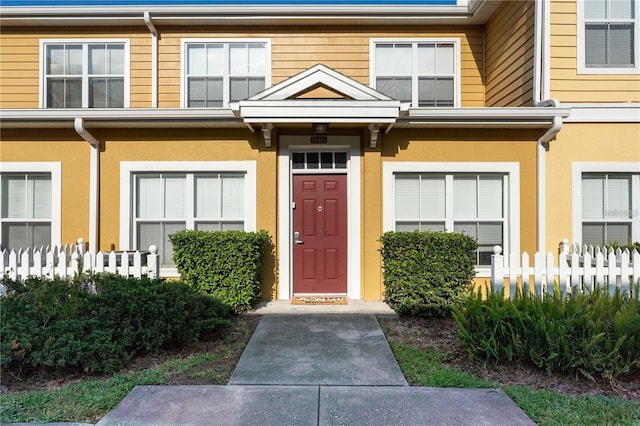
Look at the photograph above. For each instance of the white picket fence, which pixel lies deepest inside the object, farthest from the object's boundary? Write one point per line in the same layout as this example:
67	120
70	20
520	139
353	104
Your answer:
579	268
66	261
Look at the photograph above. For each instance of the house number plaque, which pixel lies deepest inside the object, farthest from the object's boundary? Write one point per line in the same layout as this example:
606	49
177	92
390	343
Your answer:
316	139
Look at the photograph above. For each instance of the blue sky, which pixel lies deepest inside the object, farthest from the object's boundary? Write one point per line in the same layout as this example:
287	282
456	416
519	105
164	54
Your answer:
218	2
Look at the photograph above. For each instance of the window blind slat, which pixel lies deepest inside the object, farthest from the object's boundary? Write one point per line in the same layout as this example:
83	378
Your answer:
41	198
618	197
432	197
174	196
595	44
232	196
592	197
207	197
464	197
490	197
14	194
149	196
407	188
444	60
621	44
196	59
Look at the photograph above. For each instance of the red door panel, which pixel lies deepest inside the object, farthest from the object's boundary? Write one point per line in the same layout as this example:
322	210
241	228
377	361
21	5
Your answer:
320	222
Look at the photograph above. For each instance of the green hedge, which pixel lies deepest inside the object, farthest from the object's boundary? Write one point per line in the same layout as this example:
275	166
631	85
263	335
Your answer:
226	265
427	273
58	325
594	334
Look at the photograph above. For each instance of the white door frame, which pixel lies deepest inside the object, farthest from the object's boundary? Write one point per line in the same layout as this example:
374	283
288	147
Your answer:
300	143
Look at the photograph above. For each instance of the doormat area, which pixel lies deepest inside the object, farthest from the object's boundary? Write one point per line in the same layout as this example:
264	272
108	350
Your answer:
319	300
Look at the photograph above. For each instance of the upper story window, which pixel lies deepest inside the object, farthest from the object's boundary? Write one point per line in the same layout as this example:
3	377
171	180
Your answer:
216	73
607	36
83	74
424	73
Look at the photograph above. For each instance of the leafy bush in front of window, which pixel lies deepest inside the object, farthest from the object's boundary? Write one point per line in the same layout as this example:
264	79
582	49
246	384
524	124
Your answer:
58	325
224	264
596	334
427	273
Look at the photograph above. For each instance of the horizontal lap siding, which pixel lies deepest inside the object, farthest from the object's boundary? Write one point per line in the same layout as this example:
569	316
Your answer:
569	86
294	50
509	40
20	62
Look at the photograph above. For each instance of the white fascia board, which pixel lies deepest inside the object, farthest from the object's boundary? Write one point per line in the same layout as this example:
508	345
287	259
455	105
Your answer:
194	117
312	110
603	113
494	113
519	118
476	12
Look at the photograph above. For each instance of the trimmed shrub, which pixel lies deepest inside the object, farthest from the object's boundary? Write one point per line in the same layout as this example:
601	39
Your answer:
427	273
57	325
593	334
224	264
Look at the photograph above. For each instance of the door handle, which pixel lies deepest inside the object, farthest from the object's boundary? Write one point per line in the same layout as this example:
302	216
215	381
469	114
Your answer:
296	238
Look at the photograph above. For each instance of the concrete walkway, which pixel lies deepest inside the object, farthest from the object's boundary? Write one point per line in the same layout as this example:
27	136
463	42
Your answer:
316	370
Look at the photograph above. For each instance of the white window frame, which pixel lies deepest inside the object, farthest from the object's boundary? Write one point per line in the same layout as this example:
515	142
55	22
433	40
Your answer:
581	42
85	60
226	87
511	194
128	170
578	168
55	170
414	72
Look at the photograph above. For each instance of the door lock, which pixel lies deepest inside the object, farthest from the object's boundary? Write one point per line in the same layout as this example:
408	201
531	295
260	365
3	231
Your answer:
296	238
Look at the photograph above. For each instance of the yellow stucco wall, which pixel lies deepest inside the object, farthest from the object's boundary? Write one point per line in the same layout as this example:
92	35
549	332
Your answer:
73	154
439	145
141	145
581	142
371	199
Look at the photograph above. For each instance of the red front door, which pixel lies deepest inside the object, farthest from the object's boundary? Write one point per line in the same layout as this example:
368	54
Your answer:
320	234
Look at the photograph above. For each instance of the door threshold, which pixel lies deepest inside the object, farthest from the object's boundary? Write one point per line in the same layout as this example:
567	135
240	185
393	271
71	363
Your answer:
319	299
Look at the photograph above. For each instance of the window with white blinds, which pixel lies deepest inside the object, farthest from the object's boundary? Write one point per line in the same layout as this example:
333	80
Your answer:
473	204
608	34
25	204
217	73
607	207
420	72
169	202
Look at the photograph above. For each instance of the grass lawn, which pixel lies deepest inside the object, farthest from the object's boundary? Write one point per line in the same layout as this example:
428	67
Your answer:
545	407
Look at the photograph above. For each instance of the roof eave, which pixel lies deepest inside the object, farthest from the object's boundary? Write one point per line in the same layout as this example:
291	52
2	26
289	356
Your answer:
473	13
288	111
134	118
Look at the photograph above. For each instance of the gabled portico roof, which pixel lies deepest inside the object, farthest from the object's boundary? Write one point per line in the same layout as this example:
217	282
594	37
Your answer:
293	101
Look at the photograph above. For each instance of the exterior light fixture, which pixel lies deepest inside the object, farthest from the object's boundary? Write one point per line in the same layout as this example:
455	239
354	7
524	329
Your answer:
320	128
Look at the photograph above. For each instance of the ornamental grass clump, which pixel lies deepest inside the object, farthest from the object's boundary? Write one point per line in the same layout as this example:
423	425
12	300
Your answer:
595	334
